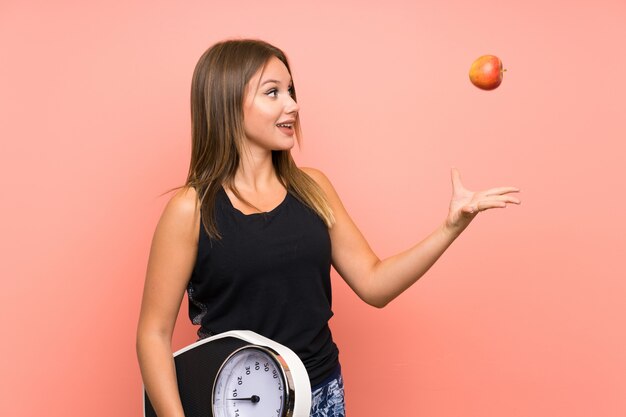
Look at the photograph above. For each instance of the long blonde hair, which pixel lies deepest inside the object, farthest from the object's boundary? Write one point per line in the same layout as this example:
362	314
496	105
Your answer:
217	92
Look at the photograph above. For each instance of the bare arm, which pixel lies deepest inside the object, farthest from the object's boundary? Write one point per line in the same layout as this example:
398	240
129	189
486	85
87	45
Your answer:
171	261
376	281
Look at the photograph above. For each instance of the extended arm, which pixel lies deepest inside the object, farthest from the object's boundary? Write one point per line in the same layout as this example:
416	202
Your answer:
376	281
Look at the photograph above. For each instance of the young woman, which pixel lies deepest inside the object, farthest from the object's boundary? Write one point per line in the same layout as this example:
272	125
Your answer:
251	237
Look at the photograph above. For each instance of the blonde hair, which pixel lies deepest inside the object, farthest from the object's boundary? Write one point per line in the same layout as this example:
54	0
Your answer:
218	89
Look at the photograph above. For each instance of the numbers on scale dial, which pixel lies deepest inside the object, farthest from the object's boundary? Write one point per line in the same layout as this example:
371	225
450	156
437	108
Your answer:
251	384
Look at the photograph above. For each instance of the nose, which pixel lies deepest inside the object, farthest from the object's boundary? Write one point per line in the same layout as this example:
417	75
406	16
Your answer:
291	106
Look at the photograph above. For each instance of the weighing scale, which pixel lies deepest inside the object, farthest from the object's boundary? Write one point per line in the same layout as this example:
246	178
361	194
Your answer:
240	374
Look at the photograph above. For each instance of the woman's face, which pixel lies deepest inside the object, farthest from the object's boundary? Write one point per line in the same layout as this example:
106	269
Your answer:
265	109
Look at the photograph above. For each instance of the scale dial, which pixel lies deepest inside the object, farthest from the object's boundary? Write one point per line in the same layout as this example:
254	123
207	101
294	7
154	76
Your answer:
253	381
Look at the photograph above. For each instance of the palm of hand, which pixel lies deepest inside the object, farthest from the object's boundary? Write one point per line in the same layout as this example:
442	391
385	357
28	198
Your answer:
466	204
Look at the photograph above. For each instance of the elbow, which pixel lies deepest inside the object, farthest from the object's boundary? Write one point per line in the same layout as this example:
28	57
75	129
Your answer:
150	336
373	295
376	301
378	305
140	343
376	295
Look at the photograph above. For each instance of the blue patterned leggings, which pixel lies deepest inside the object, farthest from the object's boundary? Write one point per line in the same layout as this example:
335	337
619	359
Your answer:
327	398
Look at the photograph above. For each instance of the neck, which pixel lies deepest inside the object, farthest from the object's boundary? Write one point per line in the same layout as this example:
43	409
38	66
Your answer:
256	171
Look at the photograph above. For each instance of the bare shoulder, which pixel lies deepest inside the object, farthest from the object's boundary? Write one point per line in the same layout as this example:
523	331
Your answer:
322	180
319	177
181	215
184	202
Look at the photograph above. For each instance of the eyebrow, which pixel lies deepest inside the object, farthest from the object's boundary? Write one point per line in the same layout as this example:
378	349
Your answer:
275	81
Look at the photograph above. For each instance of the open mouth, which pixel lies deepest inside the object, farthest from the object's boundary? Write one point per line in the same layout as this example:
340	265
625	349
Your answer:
286	128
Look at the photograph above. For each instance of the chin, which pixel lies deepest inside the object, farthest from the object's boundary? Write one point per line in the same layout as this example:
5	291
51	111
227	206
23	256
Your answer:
285	146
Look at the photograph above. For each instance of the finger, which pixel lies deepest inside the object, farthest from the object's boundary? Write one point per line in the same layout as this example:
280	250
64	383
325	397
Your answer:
506	198
501	190
485	205
456	179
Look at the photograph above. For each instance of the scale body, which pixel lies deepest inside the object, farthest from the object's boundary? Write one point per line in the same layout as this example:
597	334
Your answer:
210	372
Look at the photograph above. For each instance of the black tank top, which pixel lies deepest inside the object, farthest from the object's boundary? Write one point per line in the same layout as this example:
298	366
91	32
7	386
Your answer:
269	273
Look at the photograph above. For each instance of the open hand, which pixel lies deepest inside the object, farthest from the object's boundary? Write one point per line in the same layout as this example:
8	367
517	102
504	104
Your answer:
466	204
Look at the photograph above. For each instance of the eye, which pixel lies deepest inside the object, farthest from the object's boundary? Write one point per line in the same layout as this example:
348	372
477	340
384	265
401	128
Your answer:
274	92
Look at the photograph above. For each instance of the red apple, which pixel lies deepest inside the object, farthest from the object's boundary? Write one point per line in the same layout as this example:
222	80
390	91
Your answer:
486	72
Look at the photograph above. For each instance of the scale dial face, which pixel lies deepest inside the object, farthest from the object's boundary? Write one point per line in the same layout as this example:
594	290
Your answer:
252	382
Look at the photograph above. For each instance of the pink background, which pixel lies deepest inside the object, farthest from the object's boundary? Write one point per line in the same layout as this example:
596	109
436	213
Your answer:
523	316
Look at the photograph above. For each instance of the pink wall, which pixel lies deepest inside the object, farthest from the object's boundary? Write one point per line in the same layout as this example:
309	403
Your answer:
524	316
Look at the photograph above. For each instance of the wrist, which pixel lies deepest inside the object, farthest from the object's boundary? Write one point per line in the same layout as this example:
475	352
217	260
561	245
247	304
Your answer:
451	231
